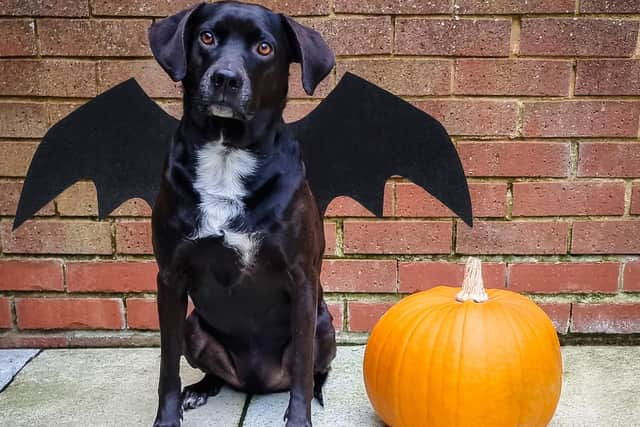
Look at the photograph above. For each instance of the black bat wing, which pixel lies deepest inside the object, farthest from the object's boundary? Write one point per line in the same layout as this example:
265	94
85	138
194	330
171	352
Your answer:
118	140
361	135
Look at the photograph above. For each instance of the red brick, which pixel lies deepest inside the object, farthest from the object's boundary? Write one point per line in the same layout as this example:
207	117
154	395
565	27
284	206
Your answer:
330	238
559	315
158	8
83	37
162	8
5	313
66	313
57	237
133	237
78	200
336	309
568	198
606	237
59	110
412	77
422	275
297	7
150	76
453	37
74	8
18	37
564	277
295	111
15	157
513	238
359	275
31	275
133	207
635	199
512	77
488	200
395	7
142	313
120	276
609	6
608	77
355	36
518	159
9	196
513	6
81	200
363	316
606	318
49	77
631	280
577	37
346	206
23	119
295	84
473	117
387	237
609	159
581	118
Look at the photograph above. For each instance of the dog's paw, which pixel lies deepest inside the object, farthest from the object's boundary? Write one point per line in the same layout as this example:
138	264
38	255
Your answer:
197	394
192	399
294	421
167	423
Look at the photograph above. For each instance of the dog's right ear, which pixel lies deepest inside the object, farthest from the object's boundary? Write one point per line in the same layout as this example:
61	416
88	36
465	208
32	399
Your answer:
167	39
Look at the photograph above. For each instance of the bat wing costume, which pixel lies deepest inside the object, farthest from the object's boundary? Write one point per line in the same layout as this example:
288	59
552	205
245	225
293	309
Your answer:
357	138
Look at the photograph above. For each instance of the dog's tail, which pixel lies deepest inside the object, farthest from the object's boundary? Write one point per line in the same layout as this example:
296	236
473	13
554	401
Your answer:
318	381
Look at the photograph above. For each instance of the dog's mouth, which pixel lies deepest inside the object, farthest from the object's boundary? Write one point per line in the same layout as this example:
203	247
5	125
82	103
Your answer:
226	111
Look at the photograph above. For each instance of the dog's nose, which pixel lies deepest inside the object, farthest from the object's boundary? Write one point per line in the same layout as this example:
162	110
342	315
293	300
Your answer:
227	79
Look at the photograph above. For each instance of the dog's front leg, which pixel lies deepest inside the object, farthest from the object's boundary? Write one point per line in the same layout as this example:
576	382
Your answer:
172	308
303	326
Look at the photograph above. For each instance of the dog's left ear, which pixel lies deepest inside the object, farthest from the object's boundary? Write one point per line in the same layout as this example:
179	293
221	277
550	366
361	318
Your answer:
311	51
167	40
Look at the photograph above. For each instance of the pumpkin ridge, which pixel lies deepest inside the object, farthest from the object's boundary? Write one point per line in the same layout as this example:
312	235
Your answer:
517	341
428	382
525	317
460	353
398	315
416	322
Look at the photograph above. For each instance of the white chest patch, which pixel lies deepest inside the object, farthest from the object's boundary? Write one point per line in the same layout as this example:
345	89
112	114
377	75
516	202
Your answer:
220	172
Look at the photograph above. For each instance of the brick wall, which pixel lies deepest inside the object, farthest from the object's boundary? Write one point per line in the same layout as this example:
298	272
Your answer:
542	99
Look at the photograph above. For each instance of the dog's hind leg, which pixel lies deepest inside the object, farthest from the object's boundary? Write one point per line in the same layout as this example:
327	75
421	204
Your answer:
325	350
204	352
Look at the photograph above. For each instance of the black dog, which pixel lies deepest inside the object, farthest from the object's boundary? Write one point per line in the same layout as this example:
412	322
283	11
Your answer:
235	225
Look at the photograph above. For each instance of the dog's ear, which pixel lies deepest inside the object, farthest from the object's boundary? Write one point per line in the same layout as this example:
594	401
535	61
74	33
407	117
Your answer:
311	51
167	39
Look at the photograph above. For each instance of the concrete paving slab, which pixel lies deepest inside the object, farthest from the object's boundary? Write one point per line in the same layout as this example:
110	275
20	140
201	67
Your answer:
107	387
600	387
102	387
11	361
345	399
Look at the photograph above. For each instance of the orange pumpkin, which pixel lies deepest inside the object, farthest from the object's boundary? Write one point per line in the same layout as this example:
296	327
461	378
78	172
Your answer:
471	358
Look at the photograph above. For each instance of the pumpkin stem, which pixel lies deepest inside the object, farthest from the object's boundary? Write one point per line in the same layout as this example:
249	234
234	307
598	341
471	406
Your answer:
472	285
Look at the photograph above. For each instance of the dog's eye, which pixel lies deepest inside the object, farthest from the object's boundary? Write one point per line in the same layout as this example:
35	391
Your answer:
265	48
207	37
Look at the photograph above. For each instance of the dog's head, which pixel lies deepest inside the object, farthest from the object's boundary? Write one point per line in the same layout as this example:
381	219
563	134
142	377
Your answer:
233	60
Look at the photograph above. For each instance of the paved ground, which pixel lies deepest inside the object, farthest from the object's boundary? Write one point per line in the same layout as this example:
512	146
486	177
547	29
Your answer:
117	387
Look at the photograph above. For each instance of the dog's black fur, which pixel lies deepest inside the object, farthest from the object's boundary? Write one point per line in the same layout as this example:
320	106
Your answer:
260	323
